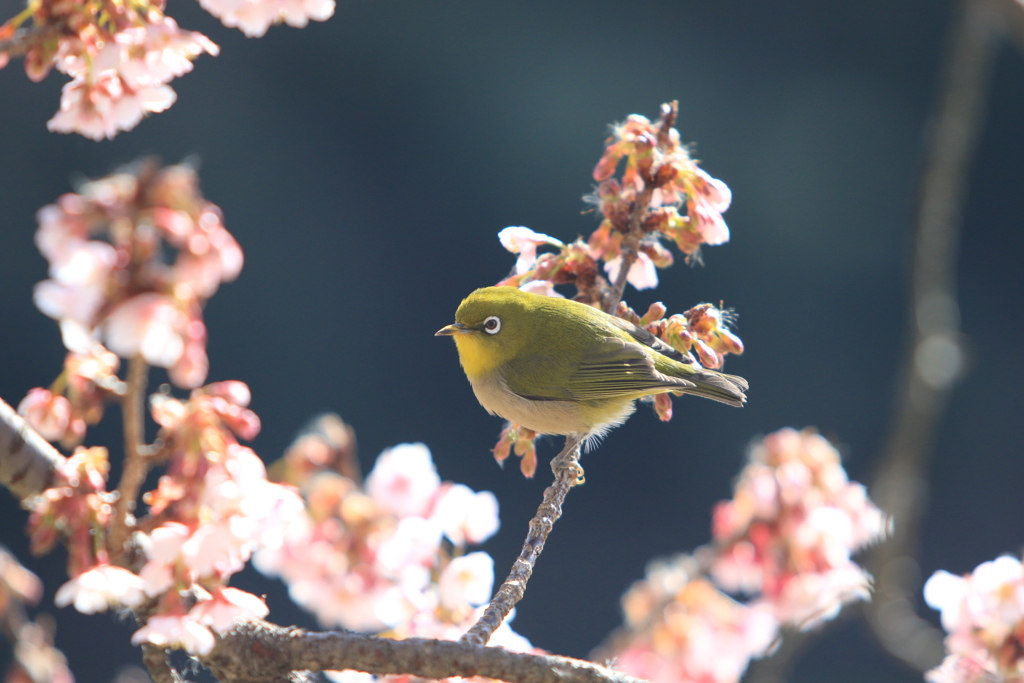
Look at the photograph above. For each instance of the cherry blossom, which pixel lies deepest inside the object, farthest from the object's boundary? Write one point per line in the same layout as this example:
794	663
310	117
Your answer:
467	580
176	630
687	630
225	607
254	17
983	614
523	241
47	413
466	516
791	527
642	274
404	481
99	588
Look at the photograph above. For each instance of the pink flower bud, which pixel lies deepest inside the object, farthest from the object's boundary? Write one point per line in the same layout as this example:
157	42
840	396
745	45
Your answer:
233	391
656	311
663	407
707	355
46	412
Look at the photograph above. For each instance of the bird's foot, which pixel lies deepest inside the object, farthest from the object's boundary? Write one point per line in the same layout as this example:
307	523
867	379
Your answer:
569	461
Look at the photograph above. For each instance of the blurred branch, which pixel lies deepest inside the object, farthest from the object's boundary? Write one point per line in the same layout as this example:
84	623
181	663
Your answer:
934	359
27	461
135	464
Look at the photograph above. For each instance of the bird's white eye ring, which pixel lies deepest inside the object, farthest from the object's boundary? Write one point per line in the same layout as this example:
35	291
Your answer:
492	325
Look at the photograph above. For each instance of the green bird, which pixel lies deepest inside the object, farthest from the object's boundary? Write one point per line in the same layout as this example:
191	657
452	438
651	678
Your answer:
561	367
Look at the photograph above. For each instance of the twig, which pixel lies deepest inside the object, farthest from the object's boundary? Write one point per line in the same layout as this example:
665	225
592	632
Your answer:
255	652
932	361
135	464
27	461
568	473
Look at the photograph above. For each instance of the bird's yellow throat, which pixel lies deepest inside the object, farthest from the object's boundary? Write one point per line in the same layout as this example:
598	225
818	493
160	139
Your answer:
476	357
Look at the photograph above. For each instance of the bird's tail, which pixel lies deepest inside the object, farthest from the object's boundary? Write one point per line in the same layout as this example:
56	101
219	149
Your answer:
718	386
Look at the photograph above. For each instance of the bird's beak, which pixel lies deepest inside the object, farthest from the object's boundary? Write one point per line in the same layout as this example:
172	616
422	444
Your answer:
454	328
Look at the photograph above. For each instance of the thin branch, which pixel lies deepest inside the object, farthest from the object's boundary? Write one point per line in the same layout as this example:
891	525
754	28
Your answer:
255	652
135	463
933	359
27	461
568	473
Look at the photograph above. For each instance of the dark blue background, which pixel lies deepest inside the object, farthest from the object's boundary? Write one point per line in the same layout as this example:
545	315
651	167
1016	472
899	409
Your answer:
367	163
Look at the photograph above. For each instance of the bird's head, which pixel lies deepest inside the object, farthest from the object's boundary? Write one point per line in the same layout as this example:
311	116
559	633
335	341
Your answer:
490	327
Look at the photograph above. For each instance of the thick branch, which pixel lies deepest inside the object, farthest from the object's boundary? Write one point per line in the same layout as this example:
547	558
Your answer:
567	474
27	460
256	652
934	356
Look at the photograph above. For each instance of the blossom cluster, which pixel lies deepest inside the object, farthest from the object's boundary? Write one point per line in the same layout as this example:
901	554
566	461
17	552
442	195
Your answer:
790	529
983	612
646	204
121	56
211	509
679	627
388	556
786	537
107	246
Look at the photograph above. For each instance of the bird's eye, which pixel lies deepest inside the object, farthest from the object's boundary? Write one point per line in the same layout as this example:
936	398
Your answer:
492	325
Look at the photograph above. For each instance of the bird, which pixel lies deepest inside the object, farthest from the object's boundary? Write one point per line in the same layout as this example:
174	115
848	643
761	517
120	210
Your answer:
561	367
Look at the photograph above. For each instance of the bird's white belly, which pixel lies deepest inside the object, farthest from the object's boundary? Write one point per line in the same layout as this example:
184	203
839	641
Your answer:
544	417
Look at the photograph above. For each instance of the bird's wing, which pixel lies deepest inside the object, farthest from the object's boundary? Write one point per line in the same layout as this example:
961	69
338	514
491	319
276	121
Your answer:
611	368
616	368
648	339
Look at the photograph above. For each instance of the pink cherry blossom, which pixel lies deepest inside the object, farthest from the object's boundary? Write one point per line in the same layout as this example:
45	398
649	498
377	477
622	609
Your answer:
79	276
158	51
150	325
707	198
523	241
466	516
415	541
254	17
225	607
542	287
100	588
403	480
690	632
467	580
642	274
791	527
181	630
102	107
983	614
47	413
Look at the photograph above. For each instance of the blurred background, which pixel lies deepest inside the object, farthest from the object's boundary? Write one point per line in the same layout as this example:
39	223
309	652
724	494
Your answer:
366	165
